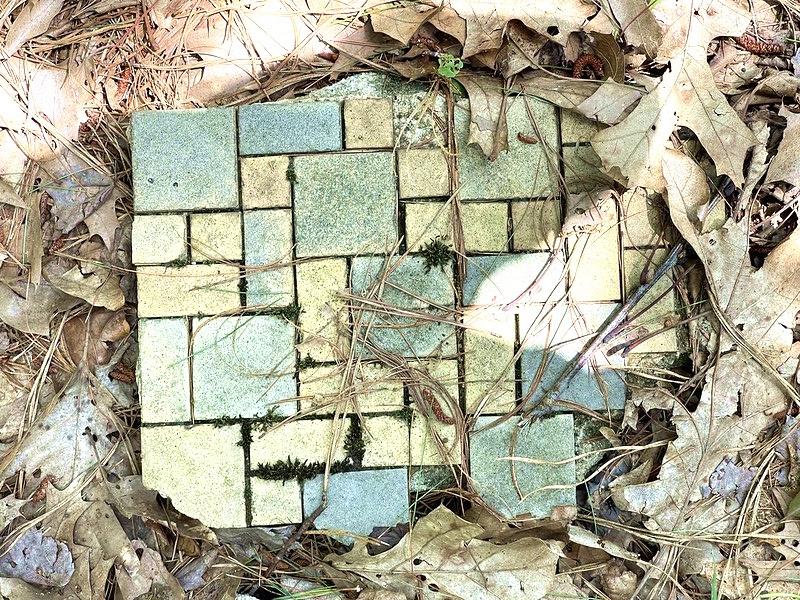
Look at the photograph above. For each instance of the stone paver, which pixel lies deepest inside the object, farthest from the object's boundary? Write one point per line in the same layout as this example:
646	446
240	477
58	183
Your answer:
406	286
359	501
523	172
554	341
265	182
423	173
187	290
513	487
285	127
645	262
243	366
216	236
297	287
368	123
267	244
201	468
190	163
501	279
163	370
158	239
345	204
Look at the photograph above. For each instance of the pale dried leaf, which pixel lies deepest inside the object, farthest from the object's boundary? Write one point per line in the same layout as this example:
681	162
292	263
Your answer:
443	548
74	428
610	103
632	150
33	20
38	559
521	51
637	23
487	19
8	195
487	125
566	93
785	166
31	310
402	22
99	288
103	222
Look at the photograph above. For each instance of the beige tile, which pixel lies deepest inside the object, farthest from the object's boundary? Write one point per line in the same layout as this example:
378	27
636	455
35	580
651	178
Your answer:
386	441
324	315
485	226
594	266
265	182
188	290
275	502
433	442
576	128
158	239
489	360
322	389
368	123
423	173
536	224
662	313
216	236
307	440
582	169
426	221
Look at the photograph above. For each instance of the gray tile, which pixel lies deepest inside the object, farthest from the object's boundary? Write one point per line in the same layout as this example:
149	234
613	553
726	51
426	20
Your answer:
184	160
407	286
523	171
242	366
267	241
163	370
515	487
290	128
345	204
360	500
501	278
597	386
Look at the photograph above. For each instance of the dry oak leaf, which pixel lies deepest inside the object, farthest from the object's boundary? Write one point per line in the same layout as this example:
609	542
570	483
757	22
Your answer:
785	166
402	22
444	549
487	20
687	96
487	114
33	20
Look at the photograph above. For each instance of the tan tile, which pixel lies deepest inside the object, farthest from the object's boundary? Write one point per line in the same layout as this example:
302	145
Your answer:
582	169
662	313
576	128
537	224
489	361
423	173
433	442
275	502
188	290
426	221
368	123
265	182
485	226
158	239
324	314
307	440
594	266
322	389
216	236
386	441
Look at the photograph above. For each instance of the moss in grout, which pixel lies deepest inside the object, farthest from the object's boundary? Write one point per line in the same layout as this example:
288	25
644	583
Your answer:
437	254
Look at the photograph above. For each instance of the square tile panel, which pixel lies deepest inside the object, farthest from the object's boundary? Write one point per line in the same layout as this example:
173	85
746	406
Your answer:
303	308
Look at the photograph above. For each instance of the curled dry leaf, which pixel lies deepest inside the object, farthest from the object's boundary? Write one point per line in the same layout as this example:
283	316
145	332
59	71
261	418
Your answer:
105	328
443	549
487	107
99	288
33	20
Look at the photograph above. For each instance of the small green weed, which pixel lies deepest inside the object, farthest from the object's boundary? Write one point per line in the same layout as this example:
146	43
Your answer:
449	66
437	254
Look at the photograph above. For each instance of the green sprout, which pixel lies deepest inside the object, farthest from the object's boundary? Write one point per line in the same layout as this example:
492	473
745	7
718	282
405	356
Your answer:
437	254
449	66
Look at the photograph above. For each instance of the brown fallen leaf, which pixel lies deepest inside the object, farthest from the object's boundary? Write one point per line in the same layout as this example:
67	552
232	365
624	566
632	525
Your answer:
31	307
402	22
687	96
487	104
486	20
442	548
784	166
93	345
99	288
32	20
637	23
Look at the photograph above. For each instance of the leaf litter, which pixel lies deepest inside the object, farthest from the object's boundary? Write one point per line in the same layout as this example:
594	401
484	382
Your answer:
698	491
